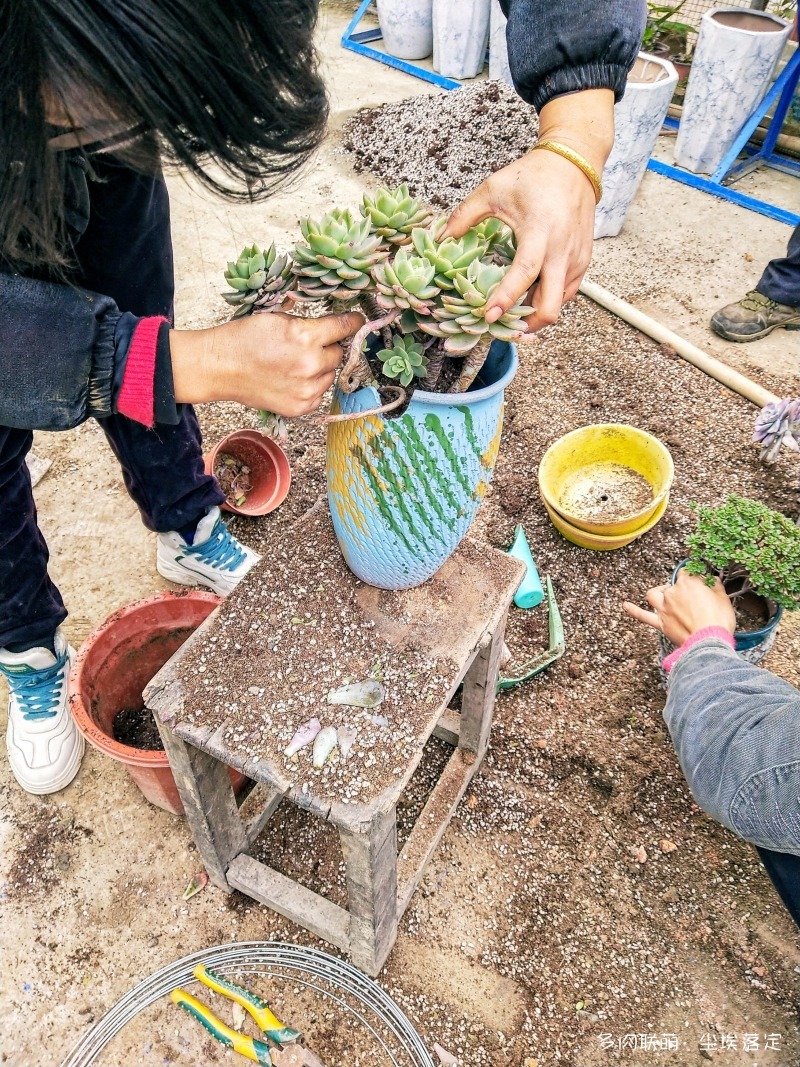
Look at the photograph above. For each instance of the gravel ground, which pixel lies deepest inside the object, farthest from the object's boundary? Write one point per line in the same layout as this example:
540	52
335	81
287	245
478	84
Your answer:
443	146
595	878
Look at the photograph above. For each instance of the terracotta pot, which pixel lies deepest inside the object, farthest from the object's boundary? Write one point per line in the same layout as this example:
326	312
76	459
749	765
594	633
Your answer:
113	666
269	470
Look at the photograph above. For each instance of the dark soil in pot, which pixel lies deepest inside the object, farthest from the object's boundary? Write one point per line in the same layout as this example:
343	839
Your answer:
136	727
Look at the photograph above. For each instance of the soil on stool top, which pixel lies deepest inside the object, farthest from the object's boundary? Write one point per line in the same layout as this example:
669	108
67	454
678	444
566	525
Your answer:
281	644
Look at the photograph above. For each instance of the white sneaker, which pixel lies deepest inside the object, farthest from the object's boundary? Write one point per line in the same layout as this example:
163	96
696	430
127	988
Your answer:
44	745
215	559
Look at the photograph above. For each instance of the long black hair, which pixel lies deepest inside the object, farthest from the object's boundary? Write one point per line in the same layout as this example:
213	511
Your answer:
230	89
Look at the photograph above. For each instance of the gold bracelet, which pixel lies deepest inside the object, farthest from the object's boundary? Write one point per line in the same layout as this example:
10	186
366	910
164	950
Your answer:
578	160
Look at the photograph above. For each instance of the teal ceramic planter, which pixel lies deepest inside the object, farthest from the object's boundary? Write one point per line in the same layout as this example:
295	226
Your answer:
403	492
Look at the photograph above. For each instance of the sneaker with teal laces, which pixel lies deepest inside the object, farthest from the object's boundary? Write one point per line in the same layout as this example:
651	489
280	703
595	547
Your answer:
44	746
215	559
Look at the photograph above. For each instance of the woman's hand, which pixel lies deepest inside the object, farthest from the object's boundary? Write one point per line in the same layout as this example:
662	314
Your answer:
684	608
274	361
549	204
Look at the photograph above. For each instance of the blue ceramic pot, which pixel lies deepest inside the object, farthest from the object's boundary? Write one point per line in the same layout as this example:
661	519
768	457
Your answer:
403	492
751	639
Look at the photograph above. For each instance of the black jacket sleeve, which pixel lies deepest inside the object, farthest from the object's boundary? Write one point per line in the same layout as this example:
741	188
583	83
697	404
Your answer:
557	47
39	322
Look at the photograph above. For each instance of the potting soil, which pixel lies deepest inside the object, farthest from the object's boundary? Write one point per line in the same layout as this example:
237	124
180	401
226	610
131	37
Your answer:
136	728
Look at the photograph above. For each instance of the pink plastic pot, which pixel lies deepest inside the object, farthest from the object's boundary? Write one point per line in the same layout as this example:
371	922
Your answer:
269	470
112	669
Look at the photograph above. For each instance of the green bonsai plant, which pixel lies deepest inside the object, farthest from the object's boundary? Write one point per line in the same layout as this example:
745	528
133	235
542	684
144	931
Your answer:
425	298
750	548
663	29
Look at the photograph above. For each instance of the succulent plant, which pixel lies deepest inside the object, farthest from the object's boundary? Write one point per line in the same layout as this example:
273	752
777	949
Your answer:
460	315
745	540
336	259
405	360
451	256
777	427
259	280
394	213
406	282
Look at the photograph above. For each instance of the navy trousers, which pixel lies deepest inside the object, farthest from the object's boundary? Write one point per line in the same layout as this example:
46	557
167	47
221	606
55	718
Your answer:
125	252
784	870
781	280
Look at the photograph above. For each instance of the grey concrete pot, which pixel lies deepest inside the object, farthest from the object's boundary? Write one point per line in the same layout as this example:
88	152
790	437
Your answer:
460	36
732	67
407	27
638	117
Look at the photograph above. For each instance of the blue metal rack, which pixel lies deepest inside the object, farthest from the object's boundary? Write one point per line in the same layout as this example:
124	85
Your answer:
355	41
731	168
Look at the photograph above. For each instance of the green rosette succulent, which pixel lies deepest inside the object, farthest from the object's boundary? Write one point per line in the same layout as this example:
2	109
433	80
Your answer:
337	257
460	316
406	283
394	213
450	257
259	280
405	360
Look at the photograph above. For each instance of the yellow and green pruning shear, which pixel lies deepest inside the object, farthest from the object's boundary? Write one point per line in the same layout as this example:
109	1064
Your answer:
269	1024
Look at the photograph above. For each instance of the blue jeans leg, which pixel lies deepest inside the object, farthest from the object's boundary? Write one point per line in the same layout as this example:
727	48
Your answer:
781	279
31	607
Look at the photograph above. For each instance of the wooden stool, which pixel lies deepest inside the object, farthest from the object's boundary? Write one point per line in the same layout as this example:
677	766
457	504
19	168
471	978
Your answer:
450	631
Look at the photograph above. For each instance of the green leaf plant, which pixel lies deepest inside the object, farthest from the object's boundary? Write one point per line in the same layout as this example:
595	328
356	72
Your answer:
750	548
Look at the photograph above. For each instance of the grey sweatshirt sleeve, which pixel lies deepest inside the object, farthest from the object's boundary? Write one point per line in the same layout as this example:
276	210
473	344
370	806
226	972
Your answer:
557	47
736	729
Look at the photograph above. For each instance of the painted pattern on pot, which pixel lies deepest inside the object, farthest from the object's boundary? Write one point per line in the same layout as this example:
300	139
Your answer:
638	118
460	36
404	492
407	27
732	66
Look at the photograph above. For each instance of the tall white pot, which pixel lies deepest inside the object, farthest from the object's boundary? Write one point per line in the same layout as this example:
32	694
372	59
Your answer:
638	117
407	27
732	67
499	69
460	36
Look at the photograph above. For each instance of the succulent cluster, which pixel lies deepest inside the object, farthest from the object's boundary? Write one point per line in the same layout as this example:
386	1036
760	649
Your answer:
428	298
260	280
745	540
777	427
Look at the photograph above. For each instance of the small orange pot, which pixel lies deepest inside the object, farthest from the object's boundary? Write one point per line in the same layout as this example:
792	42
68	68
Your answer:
112	669
269	470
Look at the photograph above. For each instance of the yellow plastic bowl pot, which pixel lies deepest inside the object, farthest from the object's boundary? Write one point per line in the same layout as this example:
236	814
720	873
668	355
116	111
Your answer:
607	479
598	542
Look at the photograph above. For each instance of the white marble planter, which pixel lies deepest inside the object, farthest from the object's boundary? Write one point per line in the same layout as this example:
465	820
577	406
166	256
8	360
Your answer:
732	67
498	47
460	36
638	117
407	27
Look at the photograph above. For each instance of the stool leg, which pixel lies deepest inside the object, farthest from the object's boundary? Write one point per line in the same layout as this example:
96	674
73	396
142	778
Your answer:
371	862
205	789
477	701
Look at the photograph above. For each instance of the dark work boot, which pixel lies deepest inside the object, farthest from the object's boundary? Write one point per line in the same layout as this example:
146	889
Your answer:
754	316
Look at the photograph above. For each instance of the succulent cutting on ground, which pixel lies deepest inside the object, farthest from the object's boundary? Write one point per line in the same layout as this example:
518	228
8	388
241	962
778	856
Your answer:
425	298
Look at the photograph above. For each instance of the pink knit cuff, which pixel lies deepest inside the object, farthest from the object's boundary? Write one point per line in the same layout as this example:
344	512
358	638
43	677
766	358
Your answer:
136	396
718	632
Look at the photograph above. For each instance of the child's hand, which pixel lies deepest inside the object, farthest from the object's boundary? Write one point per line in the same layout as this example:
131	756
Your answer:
686	607
274	361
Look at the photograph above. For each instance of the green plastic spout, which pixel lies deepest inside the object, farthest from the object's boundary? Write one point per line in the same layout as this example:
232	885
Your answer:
530	593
